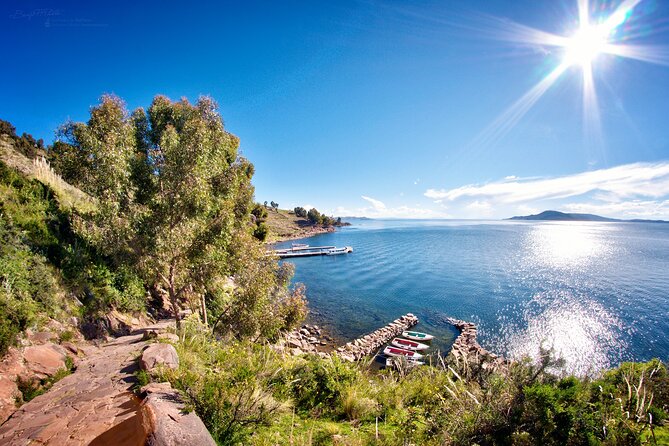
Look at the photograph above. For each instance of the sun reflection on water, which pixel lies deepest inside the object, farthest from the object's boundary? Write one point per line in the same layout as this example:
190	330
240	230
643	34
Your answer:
567	244
578	329
556	261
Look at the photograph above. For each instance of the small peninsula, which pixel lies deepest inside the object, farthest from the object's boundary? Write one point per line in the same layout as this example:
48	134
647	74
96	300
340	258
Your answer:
563	216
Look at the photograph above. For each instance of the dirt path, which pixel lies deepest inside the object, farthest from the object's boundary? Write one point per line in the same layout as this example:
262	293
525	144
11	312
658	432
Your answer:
95	405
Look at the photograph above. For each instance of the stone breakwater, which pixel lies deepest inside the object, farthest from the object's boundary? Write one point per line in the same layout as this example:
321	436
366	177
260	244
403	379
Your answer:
371	343
467	351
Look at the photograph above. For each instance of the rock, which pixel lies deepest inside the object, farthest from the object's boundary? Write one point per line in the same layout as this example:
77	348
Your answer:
296	352
167	422
73	321
44	360
70	347
9	392
293	343
305	332
313	340
157	354
42	337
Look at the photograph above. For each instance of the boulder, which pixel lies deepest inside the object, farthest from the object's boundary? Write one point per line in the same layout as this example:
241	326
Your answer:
157	354
44	360
166	421
9	392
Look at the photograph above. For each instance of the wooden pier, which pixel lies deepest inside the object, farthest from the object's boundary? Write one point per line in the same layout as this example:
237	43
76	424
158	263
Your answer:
309	251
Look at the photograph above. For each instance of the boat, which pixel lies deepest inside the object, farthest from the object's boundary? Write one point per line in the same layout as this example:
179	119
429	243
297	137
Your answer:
396	351
299	246
409	345
338	251
395	361
417	336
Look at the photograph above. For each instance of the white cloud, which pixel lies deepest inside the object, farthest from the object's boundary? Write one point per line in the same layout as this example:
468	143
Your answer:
377	204
649	180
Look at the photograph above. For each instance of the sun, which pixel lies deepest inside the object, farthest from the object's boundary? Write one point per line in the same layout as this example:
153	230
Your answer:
583	47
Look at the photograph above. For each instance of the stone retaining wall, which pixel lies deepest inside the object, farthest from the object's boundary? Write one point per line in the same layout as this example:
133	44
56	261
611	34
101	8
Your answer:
371	343
467	351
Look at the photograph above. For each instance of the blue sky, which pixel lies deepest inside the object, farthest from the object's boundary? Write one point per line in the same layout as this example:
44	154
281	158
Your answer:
382	109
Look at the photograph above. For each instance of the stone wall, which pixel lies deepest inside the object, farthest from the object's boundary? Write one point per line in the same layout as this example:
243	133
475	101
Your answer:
467	352
371	343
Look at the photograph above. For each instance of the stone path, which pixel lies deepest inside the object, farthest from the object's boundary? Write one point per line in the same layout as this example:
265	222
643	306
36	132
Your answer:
95	405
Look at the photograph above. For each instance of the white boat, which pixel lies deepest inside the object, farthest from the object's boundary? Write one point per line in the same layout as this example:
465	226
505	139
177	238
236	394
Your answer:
396	351
417	336
394	361
409	345
338	251
299	245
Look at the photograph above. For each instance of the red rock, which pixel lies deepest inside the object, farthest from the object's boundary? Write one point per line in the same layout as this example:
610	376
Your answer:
44	360
156	354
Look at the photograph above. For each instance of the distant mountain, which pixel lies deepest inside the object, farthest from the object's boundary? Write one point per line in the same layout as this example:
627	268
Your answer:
562	216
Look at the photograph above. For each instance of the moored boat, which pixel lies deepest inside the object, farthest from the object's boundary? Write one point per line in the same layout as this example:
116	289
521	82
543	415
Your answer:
338	251
395	361
396	351
409	345
417	336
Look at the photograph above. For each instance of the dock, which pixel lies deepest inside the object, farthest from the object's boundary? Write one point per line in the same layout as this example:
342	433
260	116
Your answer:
371	343
306	251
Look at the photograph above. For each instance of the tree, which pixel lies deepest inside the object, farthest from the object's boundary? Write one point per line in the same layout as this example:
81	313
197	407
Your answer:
175	201
314	216
300	212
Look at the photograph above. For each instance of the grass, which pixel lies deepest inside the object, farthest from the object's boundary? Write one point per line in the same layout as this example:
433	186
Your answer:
249	394
69	196
285	225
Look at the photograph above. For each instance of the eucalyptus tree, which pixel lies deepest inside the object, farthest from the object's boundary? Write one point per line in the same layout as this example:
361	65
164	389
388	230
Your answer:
175	199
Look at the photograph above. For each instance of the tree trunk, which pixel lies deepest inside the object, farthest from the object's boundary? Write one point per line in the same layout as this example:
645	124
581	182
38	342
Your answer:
203	305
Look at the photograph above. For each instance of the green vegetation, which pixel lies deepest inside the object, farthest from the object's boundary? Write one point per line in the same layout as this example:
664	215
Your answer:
136	208
163	209
247	393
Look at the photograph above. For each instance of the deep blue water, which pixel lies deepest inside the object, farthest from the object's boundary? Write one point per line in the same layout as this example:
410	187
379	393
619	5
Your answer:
598	293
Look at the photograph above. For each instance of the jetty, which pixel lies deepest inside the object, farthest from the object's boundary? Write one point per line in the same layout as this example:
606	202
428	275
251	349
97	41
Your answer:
467	352
372	342
306	251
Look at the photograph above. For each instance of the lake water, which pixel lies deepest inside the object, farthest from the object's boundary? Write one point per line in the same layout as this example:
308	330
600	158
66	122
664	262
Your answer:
598	293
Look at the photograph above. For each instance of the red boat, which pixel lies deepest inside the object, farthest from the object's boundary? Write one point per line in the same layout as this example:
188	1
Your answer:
409	345
395	351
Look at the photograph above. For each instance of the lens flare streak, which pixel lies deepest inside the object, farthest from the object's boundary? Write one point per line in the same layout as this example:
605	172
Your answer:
593	37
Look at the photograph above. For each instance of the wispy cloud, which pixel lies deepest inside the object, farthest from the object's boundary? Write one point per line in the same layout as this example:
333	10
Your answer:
638	180
377	204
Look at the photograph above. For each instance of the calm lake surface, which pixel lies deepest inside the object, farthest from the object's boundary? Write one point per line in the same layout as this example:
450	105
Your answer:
598	293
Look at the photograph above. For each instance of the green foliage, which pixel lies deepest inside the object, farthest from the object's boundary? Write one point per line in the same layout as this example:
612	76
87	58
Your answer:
314	216
143	378
249	394
261	231
300	212
25	143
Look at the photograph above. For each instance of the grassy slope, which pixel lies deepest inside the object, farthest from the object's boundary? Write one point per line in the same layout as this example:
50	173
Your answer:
284	225
68	196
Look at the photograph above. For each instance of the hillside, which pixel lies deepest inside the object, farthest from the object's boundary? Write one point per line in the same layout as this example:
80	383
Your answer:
285	225
563	216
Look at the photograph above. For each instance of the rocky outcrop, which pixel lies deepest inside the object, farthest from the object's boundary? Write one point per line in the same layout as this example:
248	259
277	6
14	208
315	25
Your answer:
371	343
159	354
166	421
466	351
306	339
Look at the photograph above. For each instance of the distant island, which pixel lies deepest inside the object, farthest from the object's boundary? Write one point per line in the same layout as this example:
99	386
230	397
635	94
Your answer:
563	216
